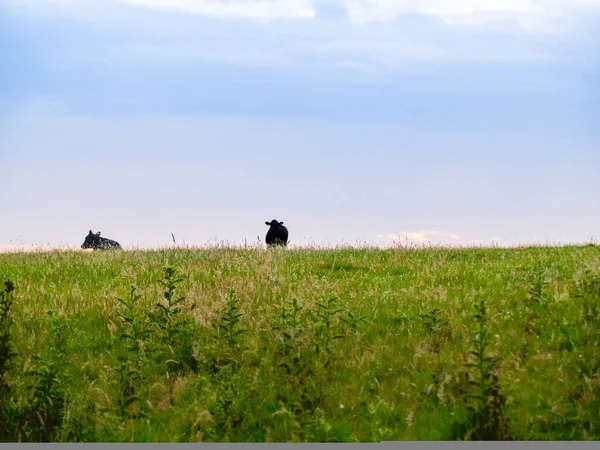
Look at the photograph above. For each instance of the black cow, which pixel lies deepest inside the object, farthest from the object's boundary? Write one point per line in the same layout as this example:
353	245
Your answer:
277	234
99	243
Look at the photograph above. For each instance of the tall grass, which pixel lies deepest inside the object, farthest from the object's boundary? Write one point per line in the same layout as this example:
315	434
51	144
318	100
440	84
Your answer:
250	345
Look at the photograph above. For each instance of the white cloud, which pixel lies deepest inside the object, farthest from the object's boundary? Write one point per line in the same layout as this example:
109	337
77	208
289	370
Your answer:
251	9
371	43
254	9
422	236
532	14
434	237
365	10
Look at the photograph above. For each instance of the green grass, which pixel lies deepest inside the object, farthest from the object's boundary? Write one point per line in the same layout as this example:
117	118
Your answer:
251	345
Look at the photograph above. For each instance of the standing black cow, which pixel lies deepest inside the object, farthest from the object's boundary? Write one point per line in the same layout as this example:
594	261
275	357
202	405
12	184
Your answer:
99	243
277	234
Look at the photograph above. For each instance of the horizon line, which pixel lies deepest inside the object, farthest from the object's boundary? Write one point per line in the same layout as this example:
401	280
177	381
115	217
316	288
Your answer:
37	248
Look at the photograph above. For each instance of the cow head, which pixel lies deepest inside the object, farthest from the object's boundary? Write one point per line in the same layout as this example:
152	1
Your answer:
273	223
91	240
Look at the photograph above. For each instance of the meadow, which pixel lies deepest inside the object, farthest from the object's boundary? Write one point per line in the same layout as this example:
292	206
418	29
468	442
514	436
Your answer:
300	345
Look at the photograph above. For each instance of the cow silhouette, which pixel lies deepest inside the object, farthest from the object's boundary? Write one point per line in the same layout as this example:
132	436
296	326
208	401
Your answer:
100	243
277	234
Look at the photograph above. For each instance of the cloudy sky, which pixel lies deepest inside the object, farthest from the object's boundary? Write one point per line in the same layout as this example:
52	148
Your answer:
353	121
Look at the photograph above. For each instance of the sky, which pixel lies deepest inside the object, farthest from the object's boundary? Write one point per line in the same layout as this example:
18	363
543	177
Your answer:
354	122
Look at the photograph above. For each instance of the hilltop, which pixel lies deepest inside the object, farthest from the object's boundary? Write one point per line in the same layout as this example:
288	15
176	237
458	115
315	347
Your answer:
246	345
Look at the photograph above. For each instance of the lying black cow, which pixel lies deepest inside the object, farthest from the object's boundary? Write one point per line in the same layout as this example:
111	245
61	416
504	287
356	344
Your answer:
277	234
99	243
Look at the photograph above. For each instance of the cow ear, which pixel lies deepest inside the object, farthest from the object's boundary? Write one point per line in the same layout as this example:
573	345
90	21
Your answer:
267	223
281	223
98	233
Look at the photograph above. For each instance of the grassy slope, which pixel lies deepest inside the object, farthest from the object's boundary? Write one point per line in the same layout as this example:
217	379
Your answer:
399	371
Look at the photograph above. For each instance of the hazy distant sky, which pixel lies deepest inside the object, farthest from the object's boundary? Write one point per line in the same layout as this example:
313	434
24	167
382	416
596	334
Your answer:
351	121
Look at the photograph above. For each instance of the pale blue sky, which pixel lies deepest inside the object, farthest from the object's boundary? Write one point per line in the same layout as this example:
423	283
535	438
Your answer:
451	122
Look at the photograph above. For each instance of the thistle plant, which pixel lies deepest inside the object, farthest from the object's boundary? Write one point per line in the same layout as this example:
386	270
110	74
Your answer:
132	355
48	385
7	353
169	316
487	421
537	293
325	326
436	326
228	325
289	330
6	347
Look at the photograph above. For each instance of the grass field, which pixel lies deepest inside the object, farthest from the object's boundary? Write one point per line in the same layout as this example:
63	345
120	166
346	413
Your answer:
246	345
